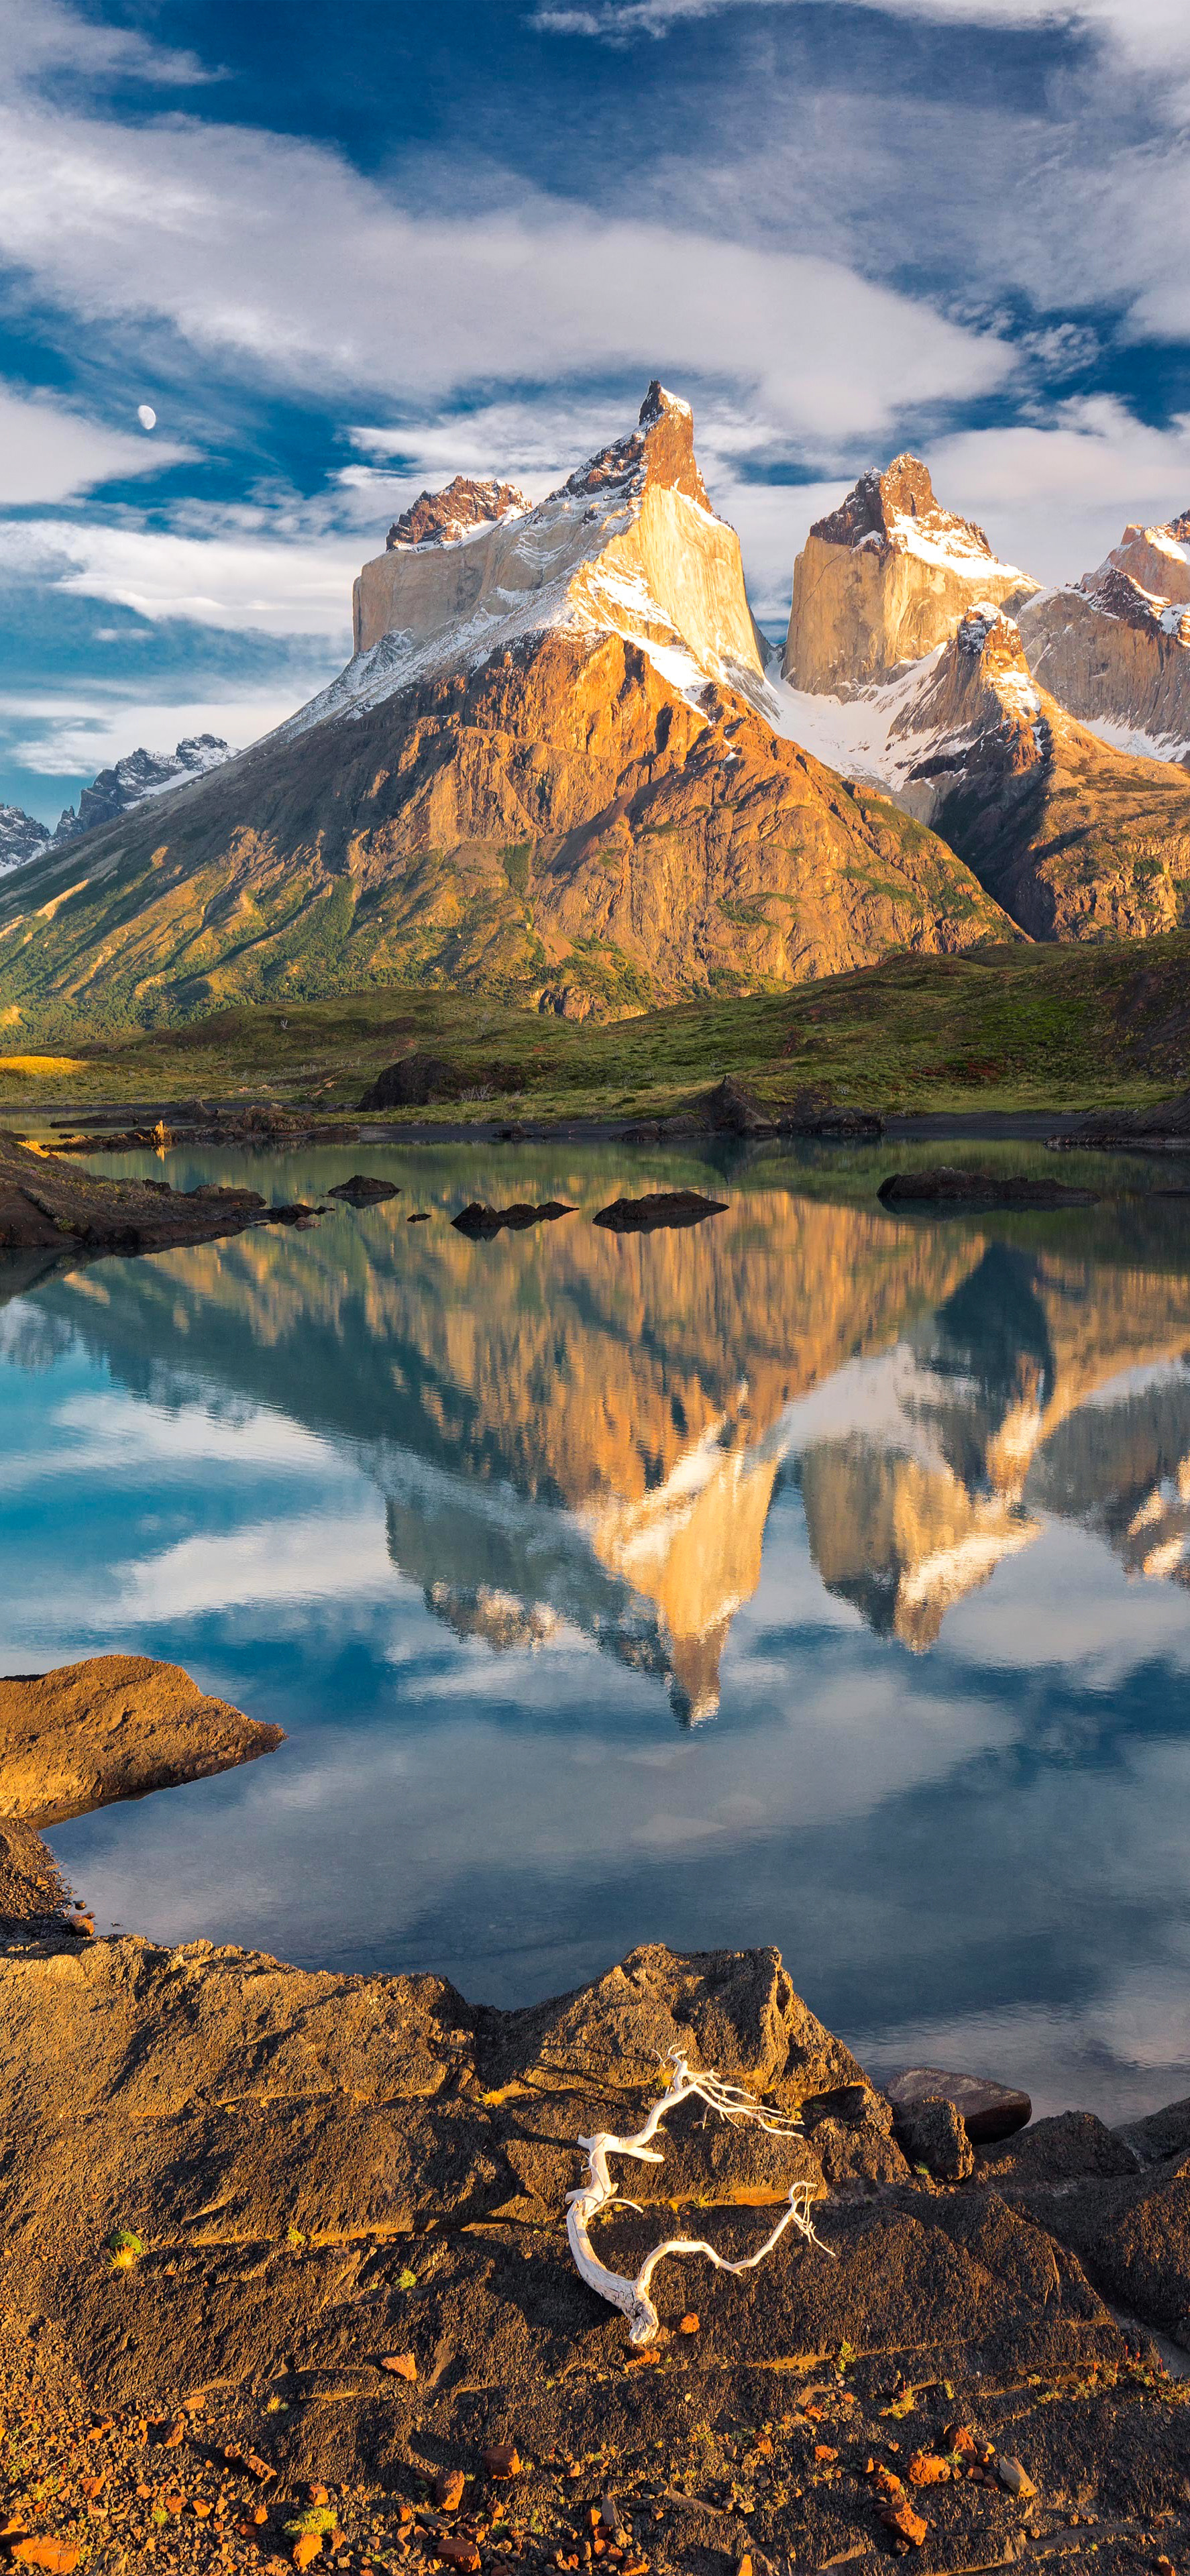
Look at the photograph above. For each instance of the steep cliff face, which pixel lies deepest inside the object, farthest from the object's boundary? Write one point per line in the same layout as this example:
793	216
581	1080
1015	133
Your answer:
551	772
1115	647
886	578
628	544
1076	840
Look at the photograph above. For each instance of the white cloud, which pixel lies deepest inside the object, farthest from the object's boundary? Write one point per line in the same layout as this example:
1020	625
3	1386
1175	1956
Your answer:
46	36
49	454
71	735
274	252
239	577
1153	32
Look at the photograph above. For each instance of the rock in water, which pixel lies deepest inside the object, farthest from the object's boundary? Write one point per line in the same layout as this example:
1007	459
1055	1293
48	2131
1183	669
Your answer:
948	1186
988	2110
484	1222
113	1727
363	1191
664	1207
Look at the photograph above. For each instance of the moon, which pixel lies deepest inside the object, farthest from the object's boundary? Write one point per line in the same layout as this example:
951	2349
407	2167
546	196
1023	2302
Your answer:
146	416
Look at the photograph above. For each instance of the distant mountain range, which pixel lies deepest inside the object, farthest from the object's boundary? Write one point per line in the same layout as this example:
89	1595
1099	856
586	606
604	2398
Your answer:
111	793
562	765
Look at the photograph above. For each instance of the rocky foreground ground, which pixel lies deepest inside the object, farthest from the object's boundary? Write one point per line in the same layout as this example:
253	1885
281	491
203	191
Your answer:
286	2265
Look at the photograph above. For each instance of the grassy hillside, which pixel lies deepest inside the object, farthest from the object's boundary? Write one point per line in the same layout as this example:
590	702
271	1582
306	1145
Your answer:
995	1028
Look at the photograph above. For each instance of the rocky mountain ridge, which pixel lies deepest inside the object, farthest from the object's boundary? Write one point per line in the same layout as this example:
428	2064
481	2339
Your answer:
112	792
1115	646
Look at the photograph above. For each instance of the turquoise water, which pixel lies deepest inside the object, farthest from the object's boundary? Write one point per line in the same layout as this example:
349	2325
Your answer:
812	1577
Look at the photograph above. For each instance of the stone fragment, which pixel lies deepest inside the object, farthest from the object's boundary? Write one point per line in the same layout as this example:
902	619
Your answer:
988	2110
307	2548
1014	2477
609	2513
455	2551
902	2519
55	2557
448	2489
501	2460
175	2433
689	2325
402	2364
927	2470
932	2134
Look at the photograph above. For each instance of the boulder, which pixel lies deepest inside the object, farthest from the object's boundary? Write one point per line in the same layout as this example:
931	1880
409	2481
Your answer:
931	2133
946	1185
113	1727
988	2110
413	1082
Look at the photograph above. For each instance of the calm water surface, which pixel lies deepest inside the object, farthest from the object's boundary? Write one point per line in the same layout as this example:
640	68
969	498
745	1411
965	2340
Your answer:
813	1577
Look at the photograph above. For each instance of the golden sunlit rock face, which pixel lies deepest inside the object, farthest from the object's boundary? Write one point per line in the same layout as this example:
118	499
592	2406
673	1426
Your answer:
885	578
574	1430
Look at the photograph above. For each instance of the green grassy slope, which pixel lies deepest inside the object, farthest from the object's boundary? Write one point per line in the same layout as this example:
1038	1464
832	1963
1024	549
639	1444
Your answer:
994	1028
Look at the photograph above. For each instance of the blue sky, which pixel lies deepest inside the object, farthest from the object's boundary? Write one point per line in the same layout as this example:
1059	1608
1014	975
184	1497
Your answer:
342	255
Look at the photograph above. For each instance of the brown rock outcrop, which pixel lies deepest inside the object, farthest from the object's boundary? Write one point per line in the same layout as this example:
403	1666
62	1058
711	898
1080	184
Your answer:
441	518
113	1727
886	577
1114	648
344	2196
1076	840
50	1205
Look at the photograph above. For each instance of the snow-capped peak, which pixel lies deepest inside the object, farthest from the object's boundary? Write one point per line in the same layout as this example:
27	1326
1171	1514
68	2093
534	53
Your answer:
629	545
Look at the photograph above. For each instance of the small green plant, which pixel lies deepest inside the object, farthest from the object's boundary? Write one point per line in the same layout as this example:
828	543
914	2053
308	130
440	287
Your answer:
124	2248
407	2281
318	2517
295	2236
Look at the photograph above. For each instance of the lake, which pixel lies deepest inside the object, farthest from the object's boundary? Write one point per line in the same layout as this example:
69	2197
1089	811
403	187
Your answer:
810	1576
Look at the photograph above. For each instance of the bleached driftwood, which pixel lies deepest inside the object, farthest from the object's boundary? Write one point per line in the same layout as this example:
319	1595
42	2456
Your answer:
597	2194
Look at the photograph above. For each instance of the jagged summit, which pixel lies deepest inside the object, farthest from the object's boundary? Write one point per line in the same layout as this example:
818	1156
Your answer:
659	450
885	578
1115	646
441	518
628	545
898	508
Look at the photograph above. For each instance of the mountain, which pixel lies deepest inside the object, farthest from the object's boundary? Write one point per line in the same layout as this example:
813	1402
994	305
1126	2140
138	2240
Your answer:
113	792
1076	839
140	774
21	837
549	771
884	579
1115	647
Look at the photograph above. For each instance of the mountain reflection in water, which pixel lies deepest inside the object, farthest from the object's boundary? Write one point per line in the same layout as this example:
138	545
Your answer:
477	1521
